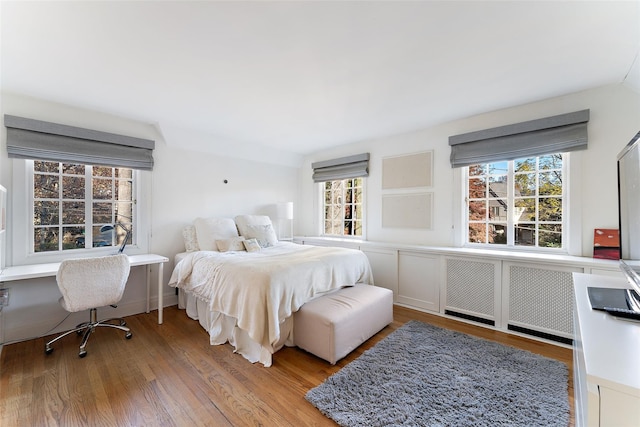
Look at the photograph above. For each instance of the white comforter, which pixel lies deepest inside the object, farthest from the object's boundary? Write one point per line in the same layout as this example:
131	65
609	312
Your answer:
261	289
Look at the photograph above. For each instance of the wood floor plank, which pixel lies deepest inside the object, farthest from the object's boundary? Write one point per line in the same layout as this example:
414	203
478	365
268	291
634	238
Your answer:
169	375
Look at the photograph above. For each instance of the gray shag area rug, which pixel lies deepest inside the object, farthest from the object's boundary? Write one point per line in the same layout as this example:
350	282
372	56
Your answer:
423	375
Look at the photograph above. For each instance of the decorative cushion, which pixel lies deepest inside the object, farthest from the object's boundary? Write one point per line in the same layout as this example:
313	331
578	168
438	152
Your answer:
257	227
190	239
251	245
208	230
233	244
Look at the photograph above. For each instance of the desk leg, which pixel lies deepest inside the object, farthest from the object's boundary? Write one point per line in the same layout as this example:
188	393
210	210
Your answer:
160	297
148	286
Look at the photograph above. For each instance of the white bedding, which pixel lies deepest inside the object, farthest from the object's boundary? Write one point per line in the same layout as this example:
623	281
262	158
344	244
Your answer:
259	291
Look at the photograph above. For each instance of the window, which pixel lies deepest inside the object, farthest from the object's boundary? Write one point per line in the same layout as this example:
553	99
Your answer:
343	207
78	206
517	203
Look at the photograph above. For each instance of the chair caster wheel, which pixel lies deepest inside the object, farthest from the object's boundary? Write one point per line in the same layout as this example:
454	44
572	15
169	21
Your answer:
82	353
48	350
128	335
79	333
123	323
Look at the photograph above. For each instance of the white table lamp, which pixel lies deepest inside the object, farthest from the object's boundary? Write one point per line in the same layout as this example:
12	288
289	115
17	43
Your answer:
284	213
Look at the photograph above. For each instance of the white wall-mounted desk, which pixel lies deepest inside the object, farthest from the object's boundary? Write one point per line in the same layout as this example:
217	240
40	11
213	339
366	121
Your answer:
23	272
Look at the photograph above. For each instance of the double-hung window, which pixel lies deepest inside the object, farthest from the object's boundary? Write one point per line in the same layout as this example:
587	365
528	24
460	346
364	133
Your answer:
517	203
343	207
341	184
78	206
516	187
75	190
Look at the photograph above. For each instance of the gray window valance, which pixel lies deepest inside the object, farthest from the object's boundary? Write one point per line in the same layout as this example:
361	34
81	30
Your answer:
343	168
556	134
39	140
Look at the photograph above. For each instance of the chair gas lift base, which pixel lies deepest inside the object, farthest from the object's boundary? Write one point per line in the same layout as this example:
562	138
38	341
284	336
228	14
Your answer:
87	328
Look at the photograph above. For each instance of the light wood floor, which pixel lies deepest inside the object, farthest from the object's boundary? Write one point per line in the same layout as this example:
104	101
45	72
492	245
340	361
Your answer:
169	375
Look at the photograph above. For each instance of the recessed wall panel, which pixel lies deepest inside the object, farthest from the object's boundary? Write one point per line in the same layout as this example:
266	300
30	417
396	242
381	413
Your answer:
407	210
409	171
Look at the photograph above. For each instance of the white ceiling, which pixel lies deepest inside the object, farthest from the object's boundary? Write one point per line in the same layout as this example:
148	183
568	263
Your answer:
300	76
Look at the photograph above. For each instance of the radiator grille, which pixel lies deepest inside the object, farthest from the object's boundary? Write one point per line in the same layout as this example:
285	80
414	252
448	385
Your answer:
541	298
470	286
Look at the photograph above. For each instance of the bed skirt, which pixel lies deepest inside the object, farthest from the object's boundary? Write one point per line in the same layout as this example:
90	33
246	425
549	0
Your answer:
222	329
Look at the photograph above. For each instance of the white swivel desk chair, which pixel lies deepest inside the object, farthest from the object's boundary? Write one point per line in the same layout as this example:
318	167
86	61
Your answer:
88	283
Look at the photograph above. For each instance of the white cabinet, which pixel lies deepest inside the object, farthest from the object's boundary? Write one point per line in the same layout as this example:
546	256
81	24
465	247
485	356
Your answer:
384	265
419	280
338	243
606	361
516	292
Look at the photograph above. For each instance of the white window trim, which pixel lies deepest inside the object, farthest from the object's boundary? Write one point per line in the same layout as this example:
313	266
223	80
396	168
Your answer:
21	247
320	213
573	202
572	232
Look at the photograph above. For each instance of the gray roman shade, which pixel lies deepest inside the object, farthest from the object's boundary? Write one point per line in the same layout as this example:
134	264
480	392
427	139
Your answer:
343	168
38	140
556	134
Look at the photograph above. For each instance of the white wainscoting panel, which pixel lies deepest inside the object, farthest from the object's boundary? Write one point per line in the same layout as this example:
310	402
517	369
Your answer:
419	280
384	265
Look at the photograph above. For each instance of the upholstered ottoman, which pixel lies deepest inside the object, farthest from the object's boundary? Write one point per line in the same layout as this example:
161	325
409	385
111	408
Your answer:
333	325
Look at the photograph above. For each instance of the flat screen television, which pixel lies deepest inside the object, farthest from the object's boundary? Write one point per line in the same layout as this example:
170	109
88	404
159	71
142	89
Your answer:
629	216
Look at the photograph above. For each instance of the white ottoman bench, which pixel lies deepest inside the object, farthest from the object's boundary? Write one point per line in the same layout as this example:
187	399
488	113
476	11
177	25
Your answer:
333	325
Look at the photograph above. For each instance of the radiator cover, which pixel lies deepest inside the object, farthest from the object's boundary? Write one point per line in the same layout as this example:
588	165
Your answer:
541	299
471	287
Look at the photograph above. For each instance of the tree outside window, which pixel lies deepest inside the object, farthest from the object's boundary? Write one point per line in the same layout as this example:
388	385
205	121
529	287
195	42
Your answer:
75	206
516	203
342	207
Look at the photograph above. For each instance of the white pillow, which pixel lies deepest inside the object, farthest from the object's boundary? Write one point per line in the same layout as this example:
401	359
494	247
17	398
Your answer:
257	227
208	230
264	234
243	221
251	245
190	239
232	244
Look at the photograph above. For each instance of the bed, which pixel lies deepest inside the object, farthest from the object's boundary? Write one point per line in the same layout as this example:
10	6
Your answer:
243	285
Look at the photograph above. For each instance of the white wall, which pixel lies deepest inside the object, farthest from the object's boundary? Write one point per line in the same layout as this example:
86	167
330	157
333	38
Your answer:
188	184
615	111
184	185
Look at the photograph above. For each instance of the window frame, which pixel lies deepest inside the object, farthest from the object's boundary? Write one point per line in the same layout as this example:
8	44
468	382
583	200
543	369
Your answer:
568	228
321	211
22	218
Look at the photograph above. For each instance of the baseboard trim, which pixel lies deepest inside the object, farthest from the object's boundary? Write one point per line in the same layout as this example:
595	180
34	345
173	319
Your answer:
544	335
470	317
